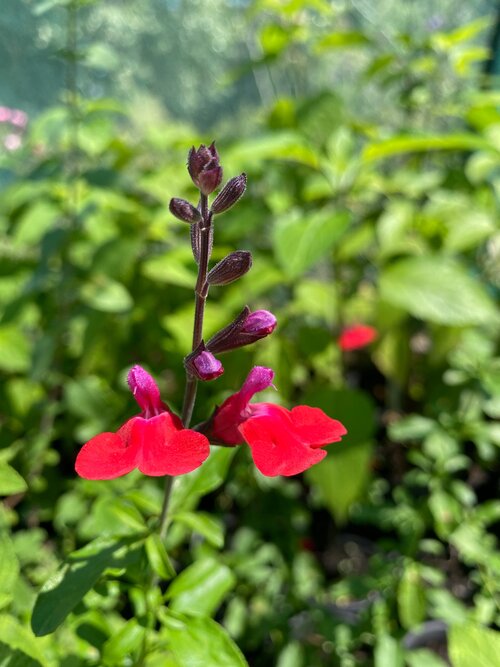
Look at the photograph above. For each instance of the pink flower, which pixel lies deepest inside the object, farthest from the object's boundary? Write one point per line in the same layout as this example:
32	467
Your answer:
12	142
155	441
19	118
356	336
5	114
282	442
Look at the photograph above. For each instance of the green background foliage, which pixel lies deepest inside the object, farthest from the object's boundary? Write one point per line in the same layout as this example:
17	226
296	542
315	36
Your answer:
370	137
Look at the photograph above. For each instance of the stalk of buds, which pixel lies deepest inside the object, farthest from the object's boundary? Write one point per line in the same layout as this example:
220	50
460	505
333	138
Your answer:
206	173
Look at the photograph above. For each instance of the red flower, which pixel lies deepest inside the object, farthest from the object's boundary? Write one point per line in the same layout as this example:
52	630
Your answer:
356	336
283	442
154	441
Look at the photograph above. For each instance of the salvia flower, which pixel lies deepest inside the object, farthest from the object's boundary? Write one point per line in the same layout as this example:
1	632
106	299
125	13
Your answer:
357	336
247	328
154	441
202	364
282	442
204	168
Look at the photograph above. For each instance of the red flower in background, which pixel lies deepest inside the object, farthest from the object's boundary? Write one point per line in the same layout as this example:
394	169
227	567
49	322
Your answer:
282	442
155	441
356	336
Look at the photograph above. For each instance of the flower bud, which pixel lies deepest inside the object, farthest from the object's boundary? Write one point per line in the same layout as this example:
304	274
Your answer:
204	168
245	329
202	364
259	323
229	269
184	211
230	193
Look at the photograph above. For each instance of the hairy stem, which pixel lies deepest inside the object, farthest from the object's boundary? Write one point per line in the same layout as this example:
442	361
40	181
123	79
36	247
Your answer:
199	306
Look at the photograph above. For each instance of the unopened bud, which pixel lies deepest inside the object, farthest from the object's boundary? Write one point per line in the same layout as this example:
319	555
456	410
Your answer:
229	269
202	364
259	323
184	211
230	193
204	168
245	329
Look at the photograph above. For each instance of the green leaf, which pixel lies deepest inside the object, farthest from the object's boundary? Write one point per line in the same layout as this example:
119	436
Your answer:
412	144
106	295
300	240
342	477
124	642
473	646
424	658
201	642
438	290
208	477
9	568
412	427
411	597
201	587
64	590
14	350
158	557
204	524
24	648
10	481
388	653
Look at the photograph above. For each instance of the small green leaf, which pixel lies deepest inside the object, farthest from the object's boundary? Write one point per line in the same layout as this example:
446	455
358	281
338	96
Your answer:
124	642
197	642
204	524
9	568
388	653
106	295
201	587
10	481
411	597
473	646
158	557
300	240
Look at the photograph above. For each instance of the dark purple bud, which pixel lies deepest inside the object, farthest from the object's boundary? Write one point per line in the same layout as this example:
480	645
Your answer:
230	193
210	179
204	168
246	329
184	211
202	364
229	269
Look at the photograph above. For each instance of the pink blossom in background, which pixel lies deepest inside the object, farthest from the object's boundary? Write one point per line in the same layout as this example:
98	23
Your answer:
19	118
356	336
5	114
12	142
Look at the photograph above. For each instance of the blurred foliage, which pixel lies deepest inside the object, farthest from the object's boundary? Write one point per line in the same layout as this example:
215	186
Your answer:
384	212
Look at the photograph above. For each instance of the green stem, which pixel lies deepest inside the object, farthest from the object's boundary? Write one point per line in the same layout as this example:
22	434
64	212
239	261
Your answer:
169	483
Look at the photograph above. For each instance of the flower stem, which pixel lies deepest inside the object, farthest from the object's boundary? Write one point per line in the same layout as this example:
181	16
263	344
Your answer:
169	483
201	291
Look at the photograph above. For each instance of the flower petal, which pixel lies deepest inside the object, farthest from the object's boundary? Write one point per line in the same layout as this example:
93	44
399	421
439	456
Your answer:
276	449
314	427
167	450
258	379
107	456
357	336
